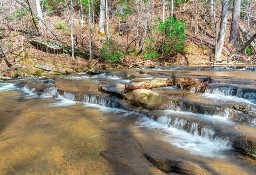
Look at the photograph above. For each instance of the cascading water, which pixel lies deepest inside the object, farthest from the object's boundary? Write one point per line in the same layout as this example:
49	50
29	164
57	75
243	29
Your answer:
191	127
195	144
189	124
241	94
7	87
92	99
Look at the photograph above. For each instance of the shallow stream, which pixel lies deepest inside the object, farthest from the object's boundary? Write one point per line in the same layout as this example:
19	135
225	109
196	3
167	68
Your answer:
62	125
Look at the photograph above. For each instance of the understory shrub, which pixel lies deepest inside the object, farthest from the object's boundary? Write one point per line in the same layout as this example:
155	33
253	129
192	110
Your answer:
111	52
170	39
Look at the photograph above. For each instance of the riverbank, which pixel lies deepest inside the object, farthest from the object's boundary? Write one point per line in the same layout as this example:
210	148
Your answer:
37	63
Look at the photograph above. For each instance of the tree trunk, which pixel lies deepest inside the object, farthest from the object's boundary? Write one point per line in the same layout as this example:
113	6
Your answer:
235	22
2	55
172	8
146	13
72	30
186	83
90	30
249	11
102	16
32	15
214	23
212	10
163	15
248	43
107	20
39	11
222	34
247	36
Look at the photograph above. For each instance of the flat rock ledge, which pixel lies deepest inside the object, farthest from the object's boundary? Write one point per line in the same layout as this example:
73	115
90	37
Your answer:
181	167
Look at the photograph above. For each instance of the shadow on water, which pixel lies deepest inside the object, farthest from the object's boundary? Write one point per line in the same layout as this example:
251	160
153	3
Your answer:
5	108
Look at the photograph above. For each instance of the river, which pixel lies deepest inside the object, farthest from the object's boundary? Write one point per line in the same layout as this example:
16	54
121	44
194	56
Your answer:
65	125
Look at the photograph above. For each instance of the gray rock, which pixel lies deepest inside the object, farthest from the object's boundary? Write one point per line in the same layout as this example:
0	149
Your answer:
245	145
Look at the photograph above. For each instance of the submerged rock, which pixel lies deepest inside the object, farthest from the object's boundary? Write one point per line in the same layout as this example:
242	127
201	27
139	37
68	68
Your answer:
245	145
182	167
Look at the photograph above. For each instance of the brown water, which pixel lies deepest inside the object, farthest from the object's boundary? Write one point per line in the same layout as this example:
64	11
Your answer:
38	138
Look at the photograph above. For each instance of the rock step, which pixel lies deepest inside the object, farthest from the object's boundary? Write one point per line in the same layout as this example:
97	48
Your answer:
155	101
248	93
181	167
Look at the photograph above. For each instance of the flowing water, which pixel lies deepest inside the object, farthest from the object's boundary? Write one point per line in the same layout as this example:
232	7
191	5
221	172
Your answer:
62	125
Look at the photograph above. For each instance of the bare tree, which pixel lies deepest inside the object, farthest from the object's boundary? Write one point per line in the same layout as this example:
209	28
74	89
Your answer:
72	30
2	55
235	22
163	15
223	28
172	7
90	29
145	26
39	11
102	16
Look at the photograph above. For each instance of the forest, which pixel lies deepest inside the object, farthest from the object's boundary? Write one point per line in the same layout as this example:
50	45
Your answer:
76	35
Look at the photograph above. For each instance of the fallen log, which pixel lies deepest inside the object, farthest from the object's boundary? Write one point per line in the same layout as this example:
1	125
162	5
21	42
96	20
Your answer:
247	36
54	48
78	52
47	47
186	83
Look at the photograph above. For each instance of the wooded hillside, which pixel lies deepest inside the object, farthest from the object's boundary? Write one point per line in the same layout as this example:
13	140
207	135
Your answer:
127	32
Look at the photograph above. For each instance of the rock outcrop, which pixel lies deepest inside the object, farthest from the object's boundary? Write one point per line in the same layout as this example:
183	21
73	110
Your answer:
245	145
182	167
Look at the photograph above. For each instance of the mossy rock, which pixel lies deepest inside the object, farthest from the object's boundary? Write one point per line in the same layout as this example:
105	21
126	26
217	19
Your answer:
148	99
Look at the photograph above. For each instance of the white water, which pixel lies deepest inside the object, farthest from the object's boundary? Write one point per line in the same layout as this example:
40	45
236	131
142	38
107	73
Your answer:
213	118
100	76
104	75
193	143
104	108
224	98
77	78
67	99
7	87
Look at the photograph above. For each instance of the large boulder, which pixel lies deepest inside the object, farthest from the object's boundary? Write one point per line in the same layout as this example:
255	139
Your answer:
182	167
148	99
245	145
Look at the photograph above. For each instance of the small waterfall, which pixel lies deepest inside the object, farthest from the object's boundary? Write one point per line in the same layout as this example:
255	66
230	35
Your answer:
208	133
251	68
203	143
49	92
107	102
179	123
249	94
69	96
190	127
194	128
